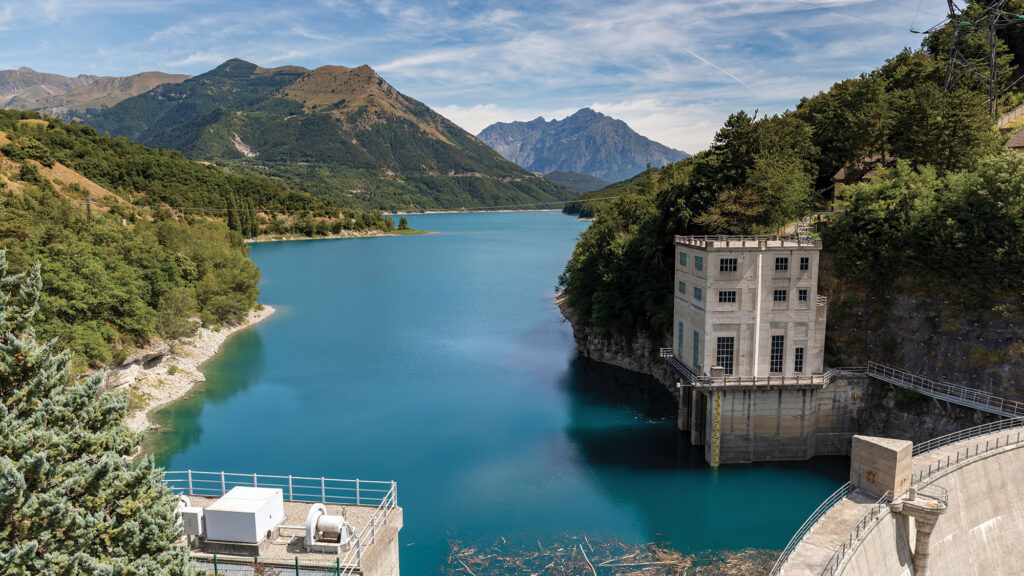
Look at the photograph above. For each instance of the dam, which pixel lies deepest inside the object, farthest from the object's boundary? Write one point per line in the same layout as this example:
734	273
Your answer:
946	507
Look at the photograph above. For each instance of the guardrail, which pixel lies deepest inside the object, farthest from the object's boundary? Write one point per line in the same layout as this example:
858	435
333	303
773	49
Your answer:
961	395
354	558
990	445
707	381
1011	116
917	477
818	513
734	241
877	511
967	434
297	488
302	489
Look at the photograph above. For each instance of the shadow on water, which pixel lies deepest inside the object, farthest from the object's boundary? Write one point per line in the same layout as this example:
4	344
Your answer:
642	433
239	363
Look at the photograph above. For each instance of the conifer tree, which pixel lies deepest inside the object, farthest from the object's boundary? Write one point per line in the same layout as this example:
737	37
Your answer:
71	503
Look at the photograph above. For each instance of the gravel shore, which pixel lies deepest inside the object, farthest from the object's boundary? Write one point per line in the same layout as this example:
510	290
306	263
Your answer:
173	375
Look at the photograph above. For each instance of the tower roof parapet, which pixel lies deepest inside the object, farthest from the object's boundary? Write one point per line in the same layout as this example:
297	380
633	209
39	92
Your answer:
749	242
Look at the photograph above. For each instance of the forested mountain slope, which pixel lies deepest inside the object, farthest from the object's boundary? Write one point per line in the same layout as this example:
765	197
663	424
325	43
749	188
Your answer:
343	134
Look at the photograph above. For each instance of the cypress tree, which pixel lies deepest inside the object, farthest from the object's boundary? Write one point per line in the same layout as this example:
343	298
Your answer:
71	503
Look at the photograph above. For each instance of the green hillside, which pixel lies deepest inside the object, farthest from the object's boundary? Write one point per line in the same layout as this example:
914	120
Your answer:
576	181
135	242
342	134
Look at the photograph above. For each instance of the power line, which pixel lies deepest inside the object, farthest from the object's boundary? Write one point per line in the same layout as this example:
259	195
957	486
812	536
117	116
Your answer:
848	15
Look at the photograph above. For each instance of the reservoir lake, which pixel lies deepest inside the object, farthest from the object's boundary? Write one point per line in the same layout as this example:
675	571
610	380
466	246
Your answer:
441	362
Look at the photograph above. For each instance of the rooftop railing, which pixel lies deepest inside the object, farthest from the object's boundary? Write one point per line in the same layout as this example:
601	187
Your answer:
303	489
297	488
709	241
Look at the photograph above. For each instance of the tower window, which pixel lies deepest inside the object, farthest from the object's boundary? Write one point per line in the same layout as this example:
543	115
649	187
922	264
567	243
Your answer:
778	349
805	263
782	264
698	262
682	287
802	295
727	265
682	258
779	296
798	360
725	353
727	296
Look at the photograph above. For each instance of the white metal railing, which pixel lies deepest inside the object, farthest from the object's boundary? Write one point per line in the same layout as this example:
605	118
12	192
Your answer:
354	557
818	513
734	241
967	434
878	510
303	489
971	451
962	395
297	488
822	301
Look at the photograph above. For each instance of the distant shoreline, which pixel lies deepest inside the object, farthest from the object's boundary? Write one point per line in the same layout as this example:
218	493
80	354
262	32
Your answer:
296	237
468	211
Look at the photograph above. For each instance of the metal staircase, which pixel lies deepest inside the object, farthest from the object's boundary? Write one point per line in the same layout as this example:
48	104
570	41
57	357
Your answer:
959	395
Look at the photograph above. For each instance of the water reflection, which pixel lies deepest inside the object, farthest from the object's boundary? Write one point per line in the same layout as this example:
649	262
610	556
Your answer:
239	365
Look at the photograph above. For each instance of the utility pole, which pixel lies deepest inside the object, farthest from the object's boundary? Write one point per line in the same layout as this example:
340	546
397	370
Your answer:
992	17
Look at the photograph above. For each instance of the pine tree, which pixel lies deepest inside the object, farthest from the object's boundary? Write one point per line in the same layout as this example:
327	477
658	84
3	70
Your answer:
70	501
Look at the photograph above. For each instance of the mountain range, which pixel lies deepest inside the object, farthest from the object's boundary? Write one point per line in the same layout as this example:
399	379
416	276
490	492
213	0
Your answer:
70	98
587	142
341	133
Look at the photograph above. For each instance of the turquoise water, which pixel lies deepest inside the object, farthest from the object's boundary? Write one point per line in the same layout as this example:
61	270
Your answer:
440	361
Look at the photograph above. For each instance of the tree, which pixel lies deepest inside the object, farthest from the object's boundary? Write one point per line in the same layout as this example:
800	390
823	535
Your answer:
403	223
71	503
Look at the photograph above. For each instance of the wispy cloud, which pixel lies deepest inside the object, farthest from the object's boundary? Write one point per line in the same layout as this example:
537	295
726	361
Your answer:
672	69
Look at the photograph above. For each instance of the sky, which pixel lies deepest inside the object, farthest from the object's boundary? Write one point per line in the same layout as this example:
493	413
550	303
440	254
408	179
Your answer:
673	70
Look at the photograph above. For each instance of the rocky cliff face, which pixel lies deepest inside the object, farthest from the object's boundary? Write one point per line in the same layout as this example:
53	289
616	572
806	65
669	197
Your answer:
587	142
928	335
637	354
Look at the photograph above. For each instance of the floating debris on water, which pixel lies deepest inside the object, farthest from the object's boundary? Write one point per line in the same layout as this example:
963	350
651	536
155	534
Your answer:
584	556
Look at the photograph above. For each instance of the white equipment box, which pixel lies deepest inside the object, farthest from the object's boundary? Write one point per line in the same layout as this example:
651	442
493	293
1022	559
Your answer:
244	514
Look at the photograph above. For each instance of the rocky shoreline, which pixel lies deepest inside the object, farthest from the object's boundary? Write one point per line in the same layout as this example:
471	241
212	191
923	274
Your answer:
165	375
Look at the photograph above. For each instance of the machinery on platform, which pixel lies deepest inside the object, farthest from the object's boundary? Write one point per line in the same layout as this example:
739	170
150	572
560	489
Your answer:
325	533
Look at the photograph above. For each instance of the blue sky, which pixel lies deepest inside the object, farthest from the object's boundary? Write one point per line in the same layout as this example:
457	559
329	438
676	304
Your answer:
673	70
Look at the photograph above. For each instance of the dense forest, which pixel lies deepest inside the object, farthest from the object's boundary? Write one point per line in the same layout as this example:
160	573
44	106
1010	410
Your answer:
930	195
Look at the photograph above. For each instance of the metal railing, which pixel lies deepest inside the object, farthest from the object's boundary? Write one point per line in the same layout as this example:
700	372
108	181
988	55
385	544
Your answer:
818	513
969	452
297	488
967	434
962	395
302	489
705	380
877	511
916	479
822	301
354	557
734	241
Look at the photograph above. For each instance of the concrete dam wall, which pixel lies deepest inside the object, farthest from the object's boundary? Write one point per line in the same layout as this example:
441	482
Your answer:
954	509
981	533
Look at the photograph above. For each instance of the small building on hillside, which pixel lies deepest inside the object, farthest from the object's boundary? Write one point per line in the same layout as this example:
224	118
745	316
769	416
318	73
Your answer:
748	307
1016	142
857	171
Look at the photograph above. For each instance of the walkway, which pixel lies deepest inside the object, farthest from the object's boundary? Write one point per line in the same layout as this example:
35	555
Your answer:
813	550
